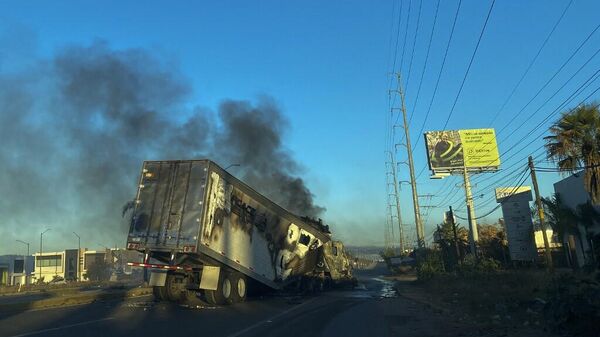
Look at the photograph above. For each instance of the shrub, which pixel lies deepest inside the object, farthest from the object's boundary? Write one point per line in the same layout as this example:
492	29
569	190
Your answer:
429	264
574	305
472	267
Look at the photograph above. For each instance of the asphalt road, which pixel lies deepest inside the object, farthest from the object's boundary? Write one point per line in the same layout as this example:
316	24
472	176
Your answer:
371	310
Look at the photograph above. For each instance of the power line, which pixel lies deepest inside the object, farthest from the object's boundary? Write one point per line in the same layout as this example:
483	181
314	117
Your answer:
391	34
531	63
547	82
499	205
437	82
505	178
553	113
396	46
405	34
580	89
551	78
558	108
412	54
554	94
470	63
437	7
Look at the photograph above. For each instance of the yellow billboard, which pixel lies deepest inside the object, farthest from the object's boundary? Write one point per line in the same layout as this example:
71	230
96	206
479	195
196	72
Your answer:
450	150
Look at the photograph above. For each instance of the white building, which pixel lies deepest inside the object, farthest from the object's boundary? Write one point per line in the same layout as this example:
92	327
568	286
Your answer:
114	259
56	265
572	193
552	239
15	270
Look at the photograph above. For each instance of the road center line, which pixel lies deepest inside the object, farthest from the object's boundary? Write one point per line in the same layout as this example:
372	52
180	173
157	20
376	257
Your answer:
269	320
62	327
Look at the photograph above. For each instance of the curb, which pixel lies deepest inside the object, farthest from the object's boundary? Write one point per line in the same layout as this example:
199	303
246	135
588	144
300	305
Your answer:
73	300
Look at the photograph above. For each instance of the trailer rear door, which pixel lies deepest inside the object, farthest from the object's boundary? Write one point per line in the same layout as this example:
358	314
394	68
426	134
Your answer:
169	205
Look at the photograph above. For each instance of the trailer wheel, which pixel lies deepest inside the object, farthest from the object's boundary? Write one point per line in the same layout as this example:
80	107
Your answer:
240	287
227	289
174	289
191	298
223	293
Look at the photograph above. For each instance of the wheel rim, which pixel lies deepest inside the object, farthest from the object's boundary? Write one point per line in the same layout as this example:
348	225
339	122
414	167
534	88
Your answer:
226	288
241	287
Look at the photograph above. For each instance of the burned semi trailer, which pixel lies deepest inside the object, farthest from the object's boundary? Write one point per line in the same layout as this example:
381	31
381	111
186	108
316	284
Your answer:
336	265
204	232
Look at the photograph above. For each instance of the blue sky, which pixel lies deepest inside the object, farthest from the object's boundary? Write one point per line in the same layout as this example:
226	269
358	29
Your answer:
327	63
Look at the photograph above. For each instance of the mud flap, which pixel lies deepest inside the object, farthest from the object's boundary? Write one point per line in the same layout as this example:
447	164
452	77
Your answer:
157	278
210	278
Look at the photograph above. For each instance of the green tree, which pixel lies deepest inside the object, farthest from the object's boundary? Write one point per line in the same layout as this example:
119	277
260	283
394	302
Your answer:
562	219
589	216
559	217
492	242
444	238
99	270
575	142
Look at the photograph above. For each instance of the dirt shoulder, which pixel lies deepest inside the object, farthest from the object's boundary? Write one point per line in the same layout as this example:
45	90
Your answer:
60	299
503	305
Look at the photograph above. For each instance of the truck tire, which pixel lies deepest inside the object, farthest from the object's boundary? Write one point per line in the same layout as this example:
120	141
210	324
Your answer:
191	298
240	287
174	289
223	294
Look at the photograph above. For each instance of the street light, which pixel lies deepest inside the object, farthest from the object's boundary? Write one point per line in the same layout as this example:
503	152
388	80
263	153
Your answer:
25	243
232	165
41	246
25	259
78	257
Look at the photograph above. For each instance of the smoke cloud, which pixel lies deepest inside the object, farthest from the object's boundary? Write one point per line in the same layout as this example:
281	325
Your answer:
75	129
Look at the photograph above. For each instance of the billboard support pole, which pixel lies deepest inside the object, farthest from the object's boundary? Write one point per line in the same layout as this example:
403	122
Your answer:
411	166
538	201
473	235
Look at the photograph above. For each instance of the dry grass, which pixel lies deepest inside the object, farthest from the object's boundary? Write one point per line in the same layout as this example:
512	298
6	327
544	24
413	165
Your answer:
502	299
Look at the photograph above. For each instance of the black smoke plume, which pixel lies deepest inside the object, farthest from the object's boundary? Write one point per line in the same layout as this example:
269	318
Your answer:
75	129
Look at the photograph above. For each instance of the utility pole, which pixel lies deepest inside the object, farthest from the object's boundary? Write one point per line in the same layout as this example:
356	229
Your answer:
473	236
411	166
79	260
40	256
25	259
455	234
25	243
398	213
389	230
538	201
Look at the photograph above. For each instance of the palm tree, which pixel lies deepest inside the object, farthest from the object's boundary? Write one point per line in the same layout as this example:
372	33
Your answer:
561	219
589	216
575	143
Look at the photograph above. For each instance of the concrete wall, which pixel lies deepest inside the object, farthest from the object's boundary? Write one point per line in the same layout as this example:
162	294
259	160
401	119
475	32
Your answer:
64	265
572	193
10	276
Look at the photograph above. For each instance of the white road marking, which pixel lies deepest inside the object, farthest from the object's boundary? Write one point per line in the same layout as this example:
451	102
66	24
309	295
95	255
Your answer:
62	327
271	319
